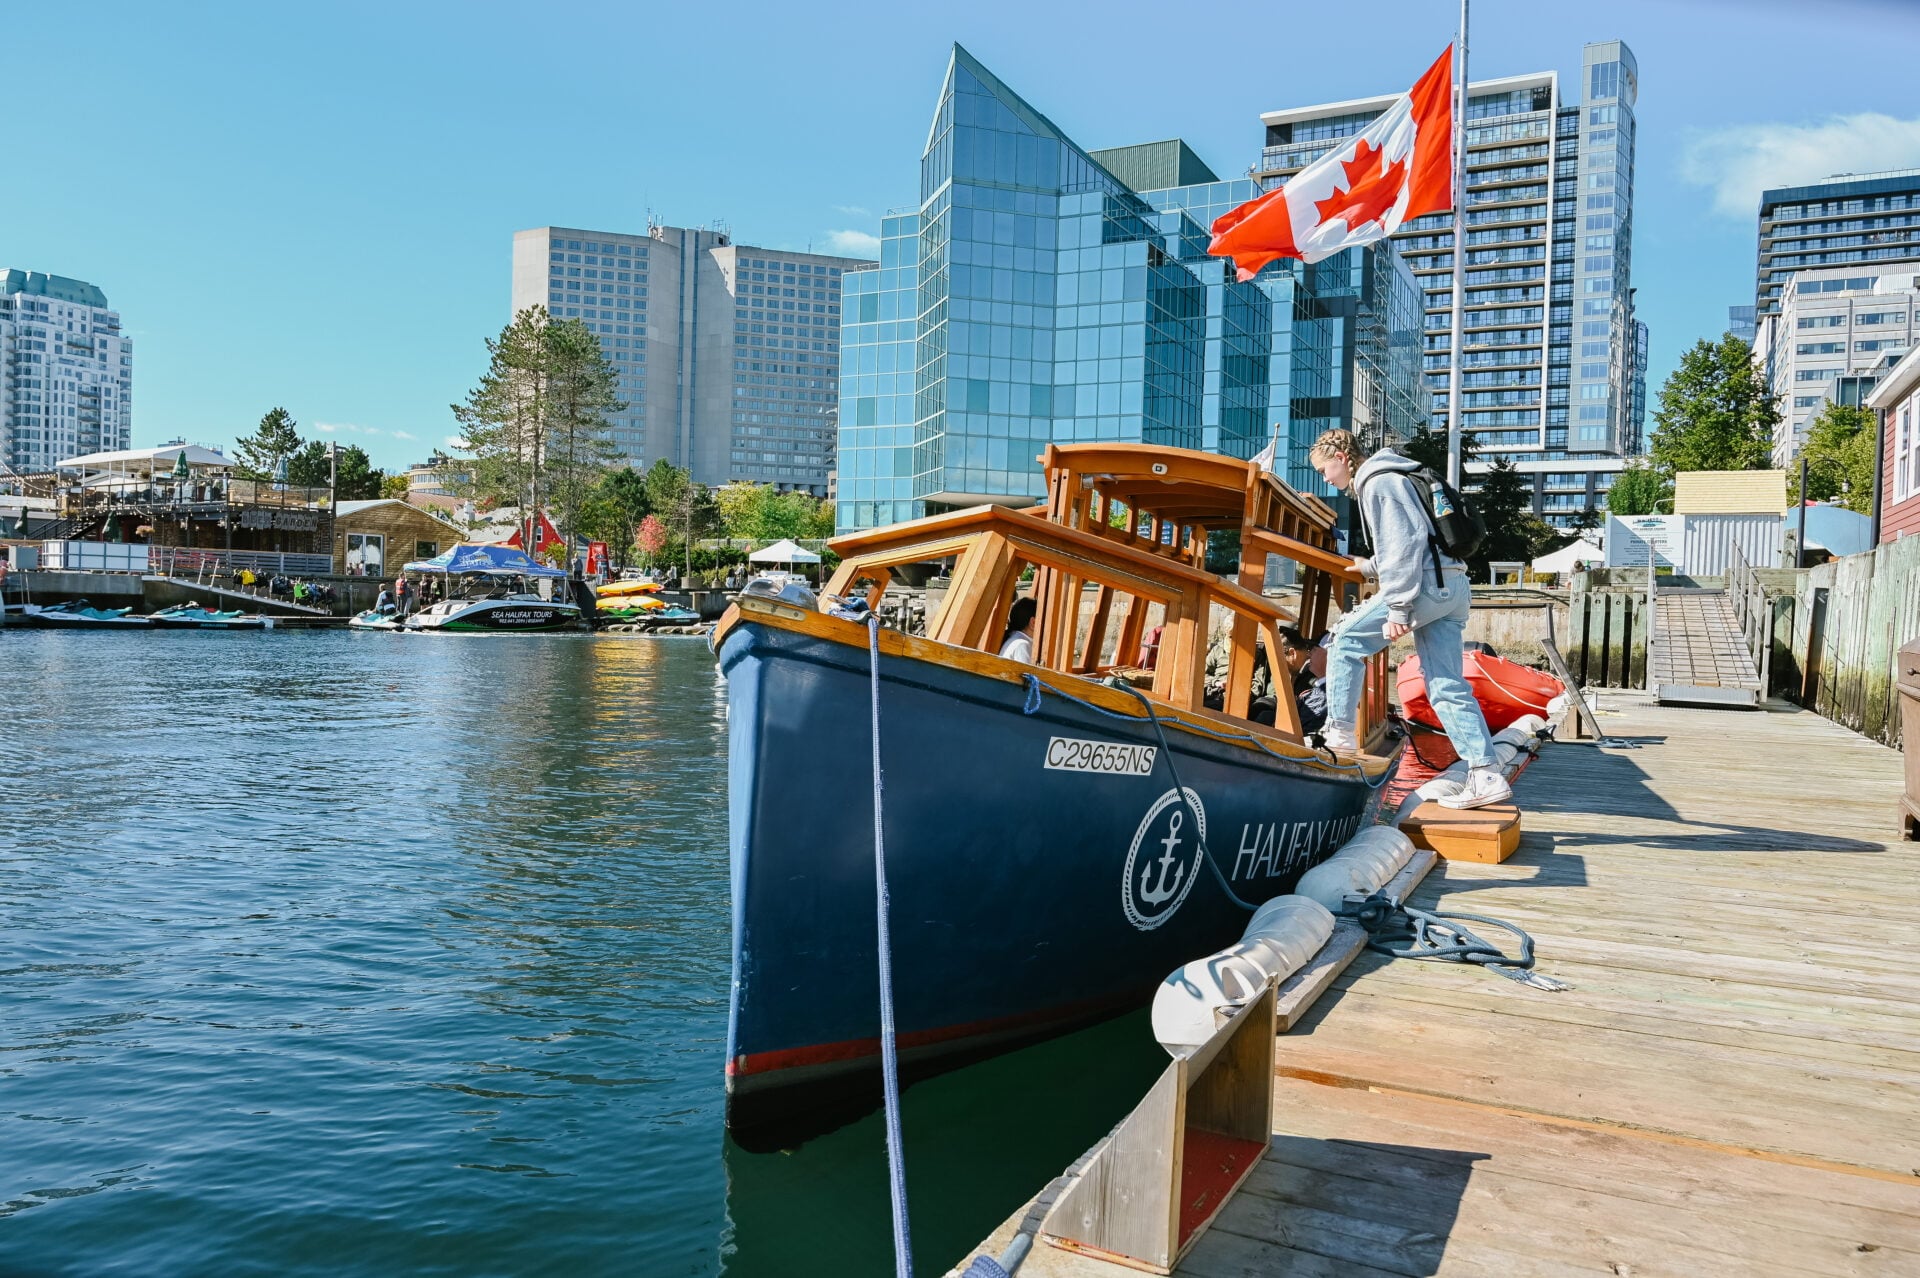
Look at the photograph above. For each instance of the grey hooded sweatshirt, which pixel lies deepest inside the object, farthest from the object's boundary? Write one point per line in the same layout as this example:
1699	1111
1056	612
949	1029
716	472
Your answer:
1394	511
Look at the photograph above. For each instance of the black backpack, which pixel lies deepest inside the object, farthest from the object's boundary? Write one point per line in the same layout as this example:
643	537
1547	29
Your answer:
1458	530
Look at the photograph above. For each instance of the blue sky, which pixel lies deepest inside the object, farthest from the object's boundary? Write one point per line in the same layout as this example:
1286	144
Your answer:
314	205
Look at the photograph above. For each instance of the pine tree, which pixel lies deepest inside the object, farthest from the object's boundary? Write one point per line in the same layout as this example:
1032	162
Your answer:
577	452
308	467
355	478
260	455
537	422
503	421
1716	411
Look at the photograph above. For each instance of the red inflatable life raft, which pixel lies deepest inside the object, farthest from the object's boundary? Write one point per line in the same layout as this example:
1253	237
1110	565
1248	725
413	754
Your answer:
1505	689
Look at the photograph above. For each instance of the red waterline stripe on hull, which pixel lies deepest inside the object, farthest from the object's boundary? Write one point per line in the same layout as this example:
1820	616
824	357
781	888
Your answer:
859	1048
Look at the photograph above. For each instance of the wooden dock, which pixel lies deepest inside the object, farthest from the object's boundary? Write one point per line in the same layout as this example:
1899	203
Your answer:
1732	1087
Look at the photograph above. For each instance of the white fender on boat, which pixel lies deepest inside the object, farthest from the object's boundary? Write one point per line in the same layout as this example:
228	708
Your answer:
1283	935
1363	864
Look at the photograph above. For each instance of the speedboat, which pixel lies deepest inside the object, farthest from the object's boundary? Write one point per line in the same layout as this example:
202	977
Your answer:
80	615
492	589
194	617
1060	834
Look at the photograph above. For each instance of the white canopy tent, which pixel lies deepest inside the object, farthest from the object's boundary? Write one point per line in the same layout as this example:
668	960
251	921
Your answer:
784	551
148	461
1564	559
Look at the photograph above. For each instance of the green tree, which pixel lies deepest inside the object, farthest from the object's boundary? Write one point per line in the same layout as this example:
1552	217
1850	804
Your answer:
308	467
503	418
758	512
259	456
396	486
1640	490
1504	500
576	452
355	478
1429	447
1839	455
1716	411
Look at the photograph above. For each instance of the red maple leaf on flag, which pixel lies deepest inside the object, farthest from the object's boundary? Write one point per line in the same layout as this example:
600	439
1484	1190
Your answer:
1369	197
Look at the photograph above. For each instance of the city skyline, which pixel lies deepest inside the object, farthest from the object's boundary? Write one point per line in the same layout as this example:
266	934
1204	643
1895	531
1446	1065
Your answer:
367	162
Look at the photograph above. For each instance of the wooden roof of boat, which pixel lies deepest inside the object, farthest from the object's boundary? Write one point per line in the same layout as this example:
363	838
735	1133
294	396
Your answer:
1131	522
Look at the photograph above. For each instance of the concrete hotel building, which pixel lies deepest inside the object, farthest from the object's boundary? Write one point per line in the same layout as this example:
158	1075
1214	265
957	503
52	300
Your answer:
728	355
1839	329
66	372
1040	292
1549	336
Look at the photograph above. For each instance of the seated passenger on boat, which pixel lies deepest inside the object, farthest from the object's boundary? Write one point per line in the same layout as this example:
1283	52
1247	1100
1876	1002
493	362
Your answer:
1309	686
1017	643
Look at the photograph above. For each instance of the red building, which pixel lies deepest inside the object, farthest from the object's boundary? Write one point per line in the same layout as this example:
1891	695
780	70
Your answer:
1897	400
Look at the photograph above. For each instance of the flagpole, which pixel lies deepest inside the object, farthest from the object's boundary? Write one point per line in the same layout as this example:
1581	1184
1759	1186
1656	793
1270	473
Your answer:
1459	255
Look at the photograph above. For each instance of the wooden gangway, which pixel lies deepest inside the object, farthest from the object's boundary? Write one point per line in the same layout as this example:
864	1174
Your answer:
1732	1087
1699	655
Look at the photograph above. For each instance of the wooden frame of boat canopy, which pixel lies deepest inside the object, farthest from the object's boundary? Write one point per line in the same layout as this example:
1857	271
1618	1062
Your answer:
1130	522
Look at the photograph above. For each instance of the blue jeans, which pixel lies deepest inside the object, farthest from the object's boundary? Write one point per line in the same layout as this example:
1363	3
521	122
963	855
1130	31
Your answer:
1439	627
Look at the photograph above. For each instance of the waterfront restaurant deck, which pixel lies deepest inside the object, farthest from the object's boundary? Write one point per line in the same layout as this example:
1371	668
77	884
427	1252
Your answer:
1731	1087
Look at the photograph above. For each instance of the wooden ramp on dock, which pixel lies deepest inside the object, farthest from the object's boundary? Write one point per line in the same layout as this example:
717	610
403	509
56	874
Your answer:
1699	655
1732	1087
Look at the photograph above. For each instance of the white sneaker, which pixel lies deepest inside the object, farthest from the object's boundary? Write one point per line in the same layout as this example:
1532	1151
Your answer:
1339	739
1484	786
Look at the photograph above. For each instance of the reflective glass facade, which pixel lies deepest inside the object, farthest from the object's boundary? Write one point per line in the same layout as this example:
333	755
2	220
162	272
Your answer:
1034	297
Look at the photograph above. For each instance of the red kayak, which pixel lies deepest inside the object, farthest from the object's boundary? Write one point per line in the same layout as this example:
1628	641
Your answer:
1505	689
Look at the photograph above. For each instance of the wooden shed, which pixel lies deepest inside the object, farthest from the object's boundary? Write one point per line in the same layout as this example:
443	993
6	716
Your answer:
373	538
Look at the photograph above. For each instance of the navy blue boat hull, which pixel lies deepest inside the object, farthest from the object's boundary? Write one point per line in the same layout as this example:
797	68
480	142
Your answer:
1041	871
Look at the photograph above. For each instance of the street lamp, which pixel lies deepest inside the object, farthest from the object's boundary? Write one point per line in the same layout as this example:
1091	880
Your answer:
333	496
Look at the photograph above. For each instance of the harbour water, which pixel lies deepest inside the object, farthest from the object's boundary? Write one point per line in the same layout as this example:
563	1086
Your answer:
363	954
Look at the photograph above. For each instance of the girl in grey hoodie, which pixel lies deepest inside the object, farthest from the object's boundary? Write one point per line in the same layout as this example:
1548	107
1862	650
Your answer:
1423	592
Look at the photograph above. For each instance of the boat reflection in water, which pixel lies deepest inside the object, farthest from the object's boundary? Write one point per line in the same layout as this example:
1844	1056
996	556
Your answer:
1044	867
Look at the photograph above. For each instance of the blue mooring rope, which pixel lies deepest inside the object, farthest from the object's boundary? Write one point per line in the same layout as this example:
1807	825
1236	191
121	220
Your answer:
889	1055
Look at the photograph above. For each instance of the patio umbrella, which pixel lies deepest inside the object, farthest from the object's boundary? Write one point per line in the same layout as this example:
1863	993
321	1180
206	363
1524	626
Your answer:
180	465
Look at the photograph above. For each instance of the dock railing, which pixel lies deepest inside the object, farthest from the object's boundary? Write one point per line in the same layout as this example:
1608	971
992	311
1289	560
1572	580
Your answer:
1753	610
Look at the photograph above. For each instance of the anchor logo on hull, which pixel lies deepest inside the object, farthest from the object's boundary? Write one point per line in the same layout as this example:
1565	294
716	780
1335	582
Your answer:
1151	889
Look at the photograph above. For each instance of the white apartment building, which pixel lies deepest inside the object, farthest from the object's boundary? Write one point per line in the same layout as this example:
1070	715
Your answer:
729	355
1838	330
66	371
1550	343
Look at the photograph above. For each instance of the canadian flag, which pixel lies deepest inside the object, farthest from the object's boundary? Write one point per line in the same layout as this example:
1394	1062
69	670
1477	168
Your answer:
1398	167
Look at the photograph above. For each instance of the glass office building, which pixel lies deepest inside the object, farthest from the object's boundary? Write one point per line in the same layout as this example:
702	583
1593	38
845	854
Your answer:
1033	296
1850	218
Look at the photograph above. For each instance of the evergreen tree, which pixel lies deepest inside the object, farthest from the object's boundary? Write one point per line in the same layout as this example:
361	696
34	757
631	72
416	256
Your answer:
1429	447
614	511
537	422
1839	454
504	419
1716	411
355	478
259	456
1640	490
308	467
1504	500
577	451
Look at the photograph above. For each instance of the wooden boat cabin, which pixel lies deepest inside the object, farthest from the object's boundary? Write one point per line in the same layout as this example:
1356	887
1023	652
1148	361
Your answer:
1118	551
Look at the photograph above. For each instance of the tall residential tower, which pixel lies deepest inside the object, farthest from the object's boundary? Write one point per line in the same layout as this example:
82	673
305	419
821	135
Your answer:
66	371
728	355
1549	338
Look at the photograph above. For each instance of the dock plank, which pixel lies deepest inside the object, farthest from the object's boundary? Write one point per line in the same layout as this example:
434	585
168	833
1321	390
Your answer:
1731	1087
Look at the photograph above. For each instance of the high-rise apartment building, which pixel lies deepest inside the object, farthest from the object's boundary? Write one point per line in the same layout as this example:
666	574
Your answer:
1867	218
1037	295
1637	392
728	355
1548	333
66	371
1742	323
1838	330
